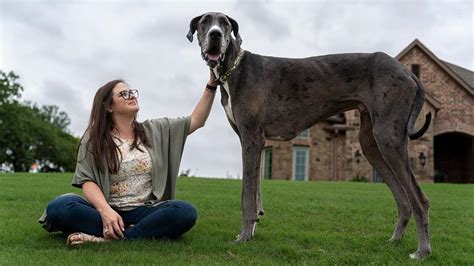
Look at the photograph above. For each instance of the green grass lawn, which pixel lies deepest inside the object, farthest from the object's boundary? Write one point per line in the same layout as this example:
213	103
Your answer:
304	223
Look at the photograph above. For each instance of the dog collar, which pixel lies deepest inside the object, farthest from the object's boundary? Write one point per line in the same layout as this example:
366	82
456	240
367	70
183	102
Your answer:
223	78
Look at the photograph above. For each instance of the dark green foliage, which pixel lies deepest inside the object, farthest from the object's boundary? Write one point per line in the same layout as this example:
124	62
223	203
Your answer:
10	90
29	133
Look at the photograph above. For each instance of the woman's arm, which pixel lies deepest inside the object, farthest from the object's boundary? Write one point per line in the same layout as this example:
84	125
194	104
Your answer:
111	220
203	108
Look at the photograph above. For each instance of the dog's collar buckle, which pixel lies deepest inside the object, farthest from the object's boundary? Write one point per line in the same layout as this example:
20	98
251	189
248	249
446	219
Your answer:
224	77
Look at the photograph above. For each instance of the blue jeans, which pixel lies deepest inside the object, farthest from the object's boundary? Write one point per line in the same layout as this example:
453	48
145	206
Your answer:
71	213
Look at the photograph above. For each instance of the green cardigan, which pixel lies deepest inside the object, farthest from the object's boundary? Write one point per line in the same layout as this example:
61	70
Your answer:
167	137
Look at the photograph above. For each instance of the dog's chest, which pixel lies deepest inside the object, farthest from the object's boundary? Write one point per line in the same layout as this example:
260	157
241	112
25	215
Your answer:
228	105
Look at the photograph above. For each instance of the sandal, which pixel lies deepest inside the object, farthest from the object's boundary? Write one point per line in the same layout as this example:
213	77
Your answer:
76	239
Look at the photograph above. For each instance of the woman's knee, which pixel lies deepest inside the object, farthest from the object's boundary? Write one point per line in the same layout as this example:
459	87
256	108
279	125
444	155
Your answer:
59	206
186	213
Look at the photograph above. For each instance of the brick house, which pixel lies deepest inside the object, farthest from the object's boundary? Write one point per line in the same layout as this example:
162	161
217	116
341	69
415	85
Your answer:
330	150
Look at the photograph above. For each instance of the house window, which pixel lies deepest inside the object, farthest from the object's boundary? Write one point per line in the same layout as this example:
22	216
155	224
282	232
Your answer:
376	177
415	68
267	163
300	163
304	134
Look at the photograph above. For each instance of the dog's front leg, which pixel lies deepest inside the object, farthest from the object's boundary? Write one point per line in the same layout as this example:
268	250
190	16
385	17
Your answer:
251	149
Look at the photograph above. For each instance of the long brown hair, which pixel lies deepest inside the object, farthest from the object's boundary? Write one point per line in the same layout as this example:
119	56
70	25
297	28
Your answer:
100	129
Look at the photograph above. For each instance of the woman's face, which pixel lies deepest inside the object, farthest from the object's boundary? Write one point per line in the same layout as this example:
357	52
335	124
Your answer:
124	100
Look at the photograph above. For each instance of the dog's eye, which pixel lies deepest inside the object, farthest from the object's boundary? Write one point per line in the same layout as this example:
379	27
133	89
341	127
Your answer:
223	22
205	20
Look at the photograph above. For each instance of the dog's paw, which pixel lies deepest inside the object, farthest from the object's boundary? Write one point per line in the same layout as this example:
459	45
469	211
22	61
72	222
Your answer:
395	240
419	255
242	238
414	256
247	233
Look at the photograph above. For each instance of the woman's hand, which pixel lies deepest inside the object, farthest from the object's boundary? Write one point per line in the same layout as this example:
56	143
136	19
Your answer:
212	78
112	223
113	226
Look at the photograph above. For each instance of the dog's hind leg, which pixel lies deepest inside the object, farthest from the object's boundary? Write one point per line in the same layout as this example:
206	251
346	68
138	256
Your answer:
393	147
373	155
251	150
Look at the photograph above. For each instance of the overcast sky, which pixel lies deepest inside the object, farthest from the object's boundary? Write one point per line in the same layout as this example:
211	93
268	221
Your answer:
65	50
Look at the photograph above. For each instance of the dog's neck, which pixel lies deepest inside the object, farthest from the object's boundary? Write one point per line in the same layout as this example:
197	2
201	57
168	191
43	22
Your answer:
231	55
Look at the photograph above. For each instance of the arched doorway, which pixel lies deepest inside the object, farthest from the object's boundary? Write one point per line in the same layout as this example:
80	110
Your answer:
453	158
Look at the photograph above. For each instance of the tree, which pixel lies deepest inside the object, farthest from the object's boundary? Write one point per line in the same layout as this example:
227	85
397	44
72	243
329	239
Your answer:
51	114
55	145
17	136
29	133
10	89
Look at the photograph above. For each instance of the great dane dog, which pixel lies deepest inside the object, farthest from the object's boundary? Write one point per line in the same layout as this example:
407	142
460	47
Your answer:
276	98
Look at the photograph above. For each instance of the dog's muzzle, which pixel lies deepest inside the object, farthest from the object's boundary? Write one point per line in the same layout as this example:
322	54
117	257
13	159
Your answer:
212	60
213	52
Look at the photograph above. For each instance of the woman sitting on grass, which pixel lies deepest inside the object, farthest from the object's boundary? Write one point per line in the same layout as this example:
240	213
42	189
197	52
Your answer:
127	171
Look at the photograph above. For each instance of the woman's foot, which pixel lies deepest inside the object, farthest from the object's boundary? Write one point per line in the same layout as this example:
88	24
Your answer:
76	239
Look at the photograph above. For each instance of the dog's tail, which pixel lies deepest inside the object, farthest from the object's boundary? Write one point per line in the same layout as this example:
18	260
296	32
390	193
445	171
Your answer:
415	111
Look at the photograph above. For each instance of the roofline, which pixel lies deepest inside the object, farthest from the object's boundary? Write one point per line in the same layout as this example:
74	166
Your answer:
338	127
436	104
443	66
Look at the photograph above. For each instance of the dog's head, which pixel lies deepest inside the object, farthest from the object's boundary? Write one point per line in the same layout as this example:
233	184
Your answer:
214	35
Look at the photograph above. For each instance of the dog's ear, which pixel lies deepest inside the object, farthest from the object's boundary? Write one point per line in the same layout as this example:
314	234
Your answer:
193	27
235	29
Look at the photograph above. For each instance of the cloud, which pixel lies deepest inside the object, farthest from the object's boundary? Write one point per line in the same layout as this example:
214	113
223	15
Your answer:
26	15
263	19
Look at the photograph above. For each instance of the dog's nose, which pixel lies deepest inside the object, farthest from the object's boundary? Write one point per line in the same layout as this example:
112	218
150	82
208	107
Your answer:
215	35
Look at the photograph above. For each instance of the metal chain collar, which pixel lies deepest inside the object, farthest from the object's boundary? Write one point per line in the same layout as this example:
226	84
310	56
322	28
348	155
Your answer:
223	78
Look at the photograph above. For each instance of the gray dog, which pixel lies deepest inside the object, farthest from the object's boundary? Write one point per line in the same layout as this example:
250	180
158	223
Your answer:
276	98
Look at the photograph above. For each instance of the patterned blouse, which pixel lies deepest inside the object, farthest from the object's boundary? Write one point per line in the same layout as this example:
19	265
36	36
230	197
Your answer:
131	187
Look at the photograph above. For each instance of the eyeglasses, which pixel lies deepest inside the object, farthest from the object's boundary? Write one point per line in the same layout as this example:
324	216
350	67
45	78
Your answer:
128	94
